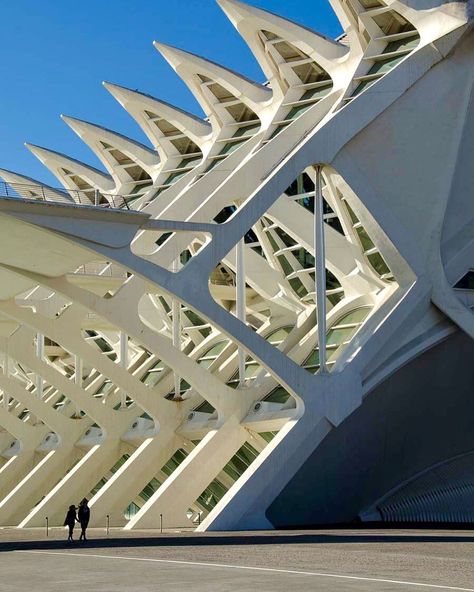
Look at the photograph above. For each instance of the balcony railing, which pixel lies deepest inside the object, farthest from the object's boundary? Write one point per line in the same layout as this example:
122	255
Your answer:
90	197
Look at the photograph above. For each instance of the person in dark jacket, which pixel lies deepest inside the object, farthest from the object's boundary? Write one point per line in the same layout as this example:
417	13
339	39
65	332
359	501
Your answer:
83	516
70	521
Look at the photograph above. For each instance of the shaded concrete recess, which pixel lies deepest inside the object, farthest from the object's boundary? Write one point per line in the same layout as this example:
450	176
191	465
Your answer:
264	316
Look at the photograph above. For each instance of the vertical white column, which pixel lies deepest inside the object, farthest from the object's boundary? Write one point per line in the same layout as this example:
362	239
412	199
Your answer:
40	356
241	303
176	330
5	370
123	358
78	367
320	268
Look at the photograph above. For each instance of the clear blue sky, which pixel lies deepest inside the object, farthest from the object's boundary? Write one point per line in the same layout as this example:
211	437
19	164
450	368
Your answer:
55	54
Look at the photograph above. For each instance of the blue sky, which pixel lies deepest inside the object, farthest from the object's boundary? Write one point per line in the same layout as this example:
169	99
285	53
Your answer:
56	53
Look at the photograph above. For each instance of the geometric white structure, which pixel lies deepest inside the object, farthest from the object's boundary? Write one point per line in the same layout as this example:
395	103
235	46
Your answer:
265	318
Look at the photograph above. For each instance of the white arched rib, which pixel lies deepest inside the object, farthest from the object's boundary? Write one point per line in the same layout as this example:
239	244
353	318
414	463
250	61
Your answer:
56	162
93	135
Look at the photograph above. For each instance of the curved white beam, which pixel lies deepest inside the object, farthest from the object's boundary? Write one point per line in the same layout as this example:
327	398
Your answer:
190	66
118	153
76	176
145	109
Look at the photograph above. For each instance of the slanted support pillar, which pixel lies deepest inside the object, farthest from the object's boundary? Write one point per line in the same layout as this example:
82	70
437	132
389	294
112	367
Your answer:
40	356
6	372
241	303
320	268
176	330
78	366
123	357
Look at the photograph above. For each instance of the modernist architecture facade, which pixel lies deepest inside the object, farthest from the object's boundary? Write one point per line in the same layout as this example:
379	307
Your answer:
264	317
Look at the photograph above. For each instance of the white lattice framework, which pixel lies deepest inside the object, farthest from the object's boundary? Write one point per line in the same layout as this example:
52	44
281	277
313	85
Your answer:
161	354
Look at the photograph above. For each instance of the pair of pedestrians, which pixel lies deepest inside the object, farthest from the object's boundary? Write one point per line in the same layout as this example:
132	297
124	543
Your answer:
83	516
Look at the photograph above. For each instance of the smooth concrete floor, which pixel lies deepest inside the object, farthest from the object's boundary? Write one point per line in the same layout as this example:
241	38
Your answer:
329	560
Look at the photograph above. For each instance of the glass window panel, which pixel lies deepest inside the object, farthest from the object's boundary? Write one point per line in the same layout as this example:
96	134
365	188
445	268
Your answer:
246	130
382	67
276	131
241	112
310	72
289	52
363	86
213	493
185	145
298	287
371	3
149	489
287	240
285	265
268	35
252	369
268	436
364	238
402	44
297	111
337	336
175	177
278	335
278	395
391	23
312	359
355	316
232	146
205	407
168	129
378	263
221	93
316	93
174	462
216	349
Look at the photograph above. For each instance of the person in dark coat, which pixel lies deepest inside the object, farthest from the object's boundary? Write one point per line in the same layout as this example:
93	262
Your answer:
83	516
70	521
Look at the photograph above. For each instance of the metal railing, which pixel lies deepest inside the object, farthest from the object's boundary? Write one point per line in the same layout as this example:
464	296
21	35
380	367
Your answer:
89	197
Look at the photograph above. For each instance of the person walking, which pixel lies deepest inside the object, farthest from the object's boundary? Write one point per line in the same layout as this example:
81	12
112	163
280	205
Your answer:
70	521
83	515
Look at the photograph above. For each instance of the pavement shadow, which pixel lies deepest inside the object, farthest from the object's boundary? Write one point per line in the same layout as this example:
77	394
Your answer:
211	539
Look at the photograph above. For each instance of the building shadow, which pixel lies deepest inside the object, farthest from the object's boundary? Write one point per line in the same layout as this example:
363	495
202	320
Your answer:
215	540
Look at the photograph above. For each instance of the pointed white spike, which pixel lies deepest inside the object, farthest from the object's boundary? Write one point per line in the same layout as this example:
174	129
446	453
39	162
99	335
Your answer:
56	162
140	105
94	136
241	85
187	65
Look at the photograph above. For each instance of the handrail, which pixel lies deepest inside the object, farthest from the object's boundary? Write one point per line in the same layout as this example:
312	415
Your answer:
89	197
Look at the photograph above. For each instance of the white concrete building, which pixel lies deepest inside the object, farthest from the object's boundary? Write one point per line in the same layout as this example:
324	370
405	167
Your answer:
160	353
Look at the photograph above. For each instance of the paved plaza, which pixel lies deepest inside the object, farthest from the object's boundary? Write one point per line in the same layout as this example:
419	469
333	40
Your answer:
145	561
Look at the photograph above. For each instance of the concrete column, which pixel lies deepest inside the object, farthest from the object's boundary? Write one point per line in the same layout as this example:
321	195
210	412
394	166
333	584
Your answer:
190	479
40	356
123	359
78	366
77	483
320	265
176	331
131	478
241	304
6	371
19	501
